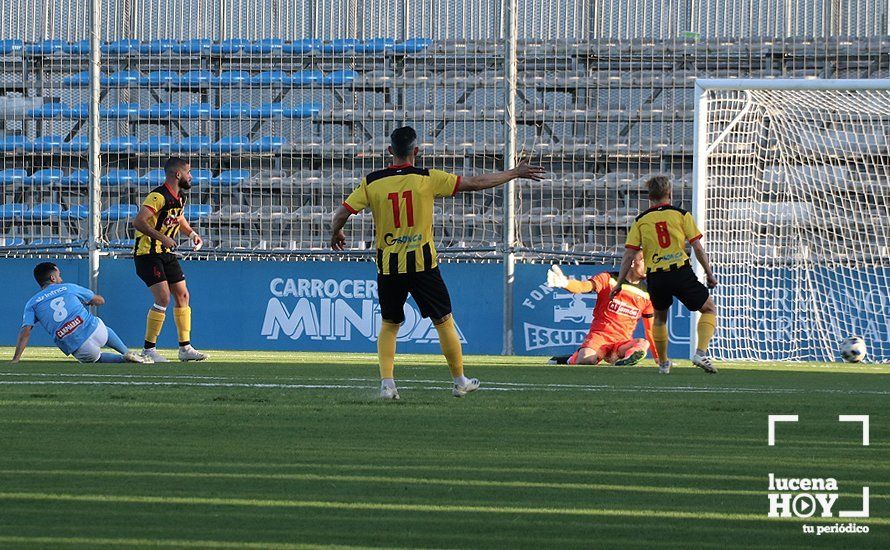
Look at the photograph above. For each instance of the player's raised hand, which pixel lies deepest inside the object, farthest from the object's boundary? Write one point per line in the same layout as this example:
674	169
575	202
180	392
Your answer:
338	240
197	241
527	171
712	281
556	278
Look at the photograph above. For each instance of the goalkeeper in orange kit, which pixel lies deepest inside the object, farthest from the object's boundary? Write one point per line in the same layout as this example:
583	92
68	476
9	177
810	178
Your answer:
610	338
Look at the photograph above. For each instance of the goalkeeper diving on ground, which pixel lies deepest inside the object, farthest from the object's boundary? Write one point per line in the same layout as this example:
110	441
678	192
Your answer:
610	338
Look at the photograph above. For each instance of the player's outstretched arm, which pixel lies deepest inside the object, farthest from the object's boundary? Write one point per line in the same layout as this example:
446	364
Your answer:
21	343
557	279
97	300
702	256
487	181
629	255
338	221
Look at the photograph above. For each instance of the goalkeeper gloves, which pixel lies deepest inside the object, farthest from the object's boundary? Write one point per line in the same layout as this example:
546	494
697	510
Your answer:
556	278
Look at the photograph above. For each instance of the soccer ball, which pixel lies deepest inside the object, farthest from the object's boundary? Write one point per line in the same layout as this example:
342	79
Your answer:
853	349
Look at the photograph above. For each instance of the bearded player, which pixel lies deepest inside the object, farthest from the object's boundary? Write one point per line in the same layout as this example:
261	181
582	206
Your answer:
610	338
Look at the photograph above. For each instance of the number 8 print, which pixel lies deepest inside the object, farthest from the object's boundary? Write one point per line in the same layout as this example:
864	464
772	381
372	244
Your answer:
59	310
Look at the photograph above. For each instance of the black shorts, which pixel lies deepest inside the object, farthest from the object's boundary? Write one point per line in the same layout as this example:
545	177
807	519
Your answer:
157	268
427	288
682	283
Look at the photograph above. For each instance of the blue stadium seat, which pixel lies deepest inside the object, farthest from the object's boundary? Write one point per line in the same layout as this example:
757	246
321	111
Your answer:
119	212
153	179
76	213
77	178
121	110
80	79
272	110
376	45
306	78
413	45
156	144
160	110
266	46
232	178
231	78
157	47
12	211
120	178
47	47
47	176
201	177
121	47
340	78
163	78
302	46
11	46
59	110
192	144
196	79
120	144
122	79
230	46
195	110
194	212
340	45
80	47
15	144
279	110
78	144
196	46
308	110
13	176
44	211
47	144
233	110
7	242
270	78
231	144
267	144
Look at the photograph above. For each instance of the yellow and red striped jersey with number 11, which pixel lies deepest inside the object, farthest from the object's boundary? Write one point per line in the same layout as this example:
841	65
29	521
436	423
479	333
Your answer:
401	200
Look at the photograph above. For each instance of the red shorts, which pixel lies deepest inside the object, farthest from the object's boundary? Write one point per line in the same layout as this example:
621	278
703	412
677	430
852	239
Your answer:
604	345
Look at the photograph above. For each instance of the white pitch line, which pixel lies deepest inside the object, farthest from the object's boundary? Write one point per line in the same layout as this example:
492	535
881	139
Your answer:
440	386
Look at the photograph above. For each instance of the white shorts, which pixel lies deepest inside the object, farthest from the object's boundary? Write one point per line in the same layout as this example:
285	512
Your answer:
90	351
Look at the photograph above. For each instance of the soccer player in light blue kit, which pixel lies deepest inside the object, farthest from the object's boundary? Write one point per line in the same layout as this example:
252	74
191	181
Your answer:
60	309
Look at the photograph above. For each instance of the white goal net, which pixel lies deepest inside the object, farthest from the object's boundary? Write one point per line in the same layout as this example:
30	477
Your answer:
792	189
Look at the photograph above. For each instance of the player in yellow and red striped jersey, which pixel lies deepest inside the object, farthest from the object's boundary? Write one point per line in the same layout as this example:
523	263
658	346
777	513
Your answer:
610	338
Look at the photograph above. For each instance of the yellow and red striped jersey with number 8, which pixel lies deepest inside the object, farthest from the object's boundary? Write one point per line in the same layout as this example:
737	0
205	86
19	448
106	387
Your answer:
661	233
401	201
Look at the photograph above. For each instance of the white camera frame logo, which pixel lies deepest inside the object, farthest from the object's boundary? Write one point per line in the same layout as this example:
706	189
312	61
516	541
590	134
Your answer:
796	501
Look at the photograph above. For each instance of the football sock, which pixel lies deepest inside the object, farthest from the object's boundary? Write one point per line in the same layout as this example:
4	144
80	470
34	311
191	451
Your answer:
451	349
114	342
153	326
106	357
461	380
660	337
182	316
707	324
386	348
388	383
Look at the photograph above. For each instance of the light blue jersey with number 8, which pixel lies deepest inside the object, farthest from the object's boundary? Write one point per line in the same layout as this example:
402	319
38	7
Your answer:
60	310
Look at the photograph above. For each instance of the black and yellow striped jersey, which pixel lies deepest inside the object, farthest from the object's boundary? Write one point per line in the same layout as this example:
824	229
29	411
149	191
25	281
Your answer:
661	233
166	209
401	201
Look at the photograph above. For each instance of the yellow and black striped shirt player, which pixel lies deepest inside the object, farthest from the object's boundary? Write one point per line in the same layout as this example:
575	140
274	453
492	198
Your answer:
660	234
401	199
158	224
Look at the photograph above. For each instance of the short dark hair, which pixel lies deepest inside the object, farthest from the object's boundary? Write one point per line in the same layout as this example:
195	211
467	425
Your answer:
659	187
43	272
174	164
402	141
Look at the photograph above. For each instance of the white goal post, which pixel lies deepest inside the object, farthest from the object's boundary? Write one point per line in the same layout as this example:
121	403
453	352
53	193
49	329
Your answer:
792	192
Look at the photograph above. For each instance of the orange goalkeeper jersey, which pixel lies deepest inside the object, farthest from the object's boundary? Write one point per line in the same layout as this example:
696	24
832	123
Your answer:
618	317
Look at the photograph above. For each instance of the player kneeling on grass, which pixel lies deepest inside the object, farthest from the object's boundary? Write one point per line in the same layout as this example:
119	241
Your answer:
610	338
59	308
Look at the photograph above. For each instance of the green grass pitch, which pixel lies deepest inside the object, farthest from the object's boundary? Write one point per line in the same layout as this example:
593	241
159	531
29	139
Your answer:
289	450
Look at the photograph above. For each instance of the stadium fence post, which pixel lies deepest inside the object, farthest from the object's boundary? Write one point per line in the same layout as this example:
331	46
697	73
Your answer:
511	7
699	190
95	208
